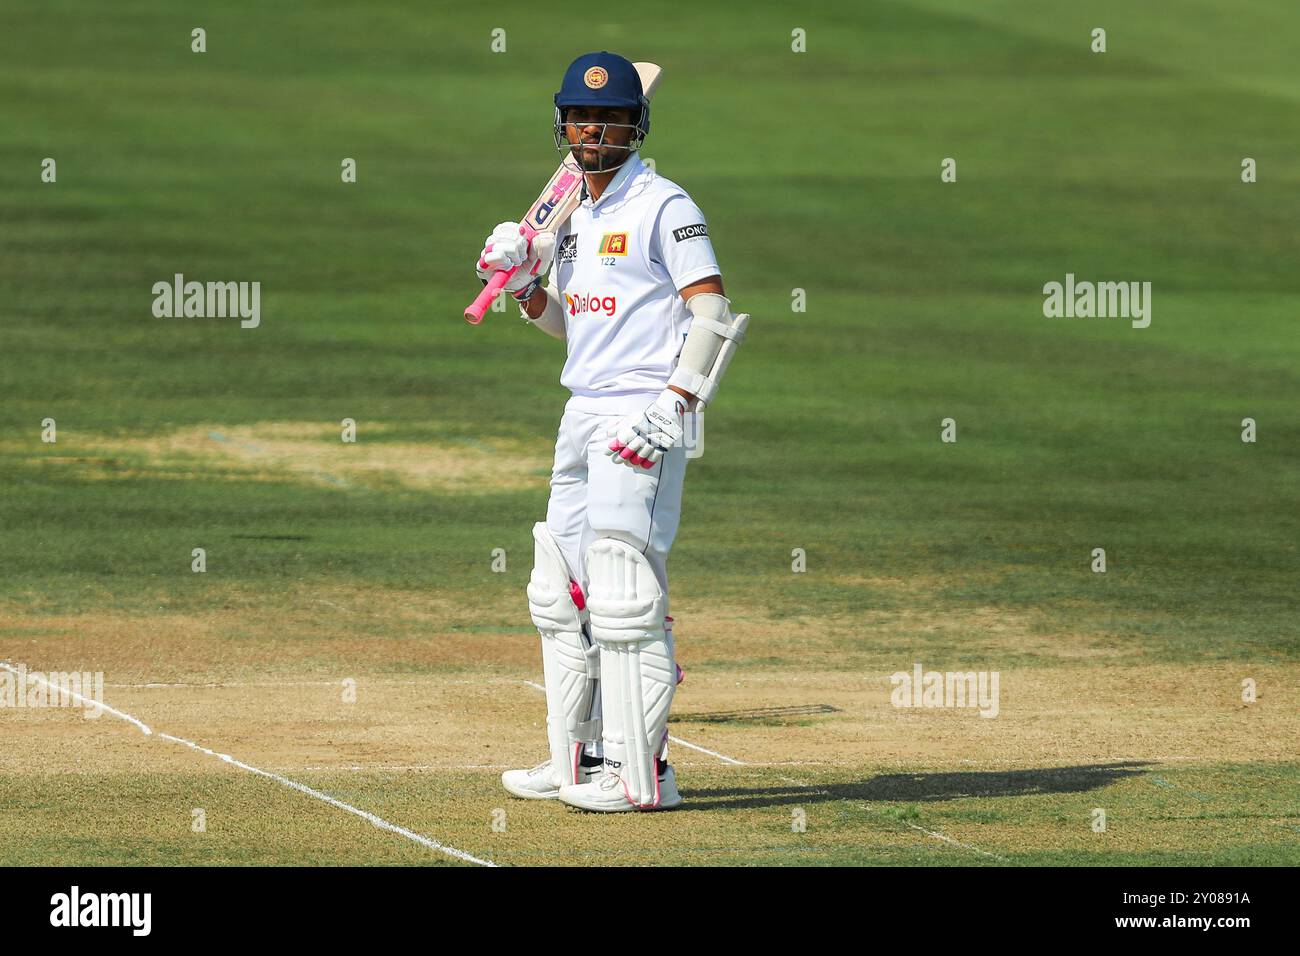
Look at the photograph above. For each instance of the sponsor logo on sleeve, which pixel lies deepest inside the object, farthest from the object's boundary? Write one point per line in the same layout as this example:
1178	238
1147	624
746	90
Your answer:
697	231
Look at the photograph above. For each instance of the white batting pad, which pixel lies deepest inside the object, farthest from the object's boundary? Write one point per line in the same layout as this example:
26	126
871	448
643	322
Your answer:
570	662
626	607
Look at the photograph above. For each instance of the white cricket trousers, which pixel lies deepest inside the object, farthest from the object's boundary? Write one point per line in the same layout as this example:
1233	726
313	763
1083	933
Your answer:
592	496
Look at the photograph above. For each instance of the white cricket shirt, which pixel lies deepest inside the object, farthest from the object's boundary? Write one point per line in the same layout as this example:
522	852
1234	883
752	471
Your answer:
619	263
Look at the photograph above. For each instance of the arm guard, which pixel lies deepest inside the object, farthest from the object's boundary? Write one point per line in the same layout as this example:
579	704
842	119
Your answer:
551	321
715	333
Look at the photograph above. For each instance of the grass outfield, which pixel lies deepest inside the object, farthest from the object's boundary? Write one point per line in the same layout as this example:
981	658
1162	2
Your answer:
819	171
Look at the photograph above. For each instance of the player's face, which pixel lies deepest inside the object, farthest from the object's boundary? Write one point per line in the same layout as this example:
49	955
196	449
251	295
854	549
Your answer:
583	127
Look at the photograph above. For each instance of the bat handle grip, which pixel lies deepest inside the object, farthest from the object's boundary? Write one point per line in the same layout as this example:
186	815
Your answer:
478	308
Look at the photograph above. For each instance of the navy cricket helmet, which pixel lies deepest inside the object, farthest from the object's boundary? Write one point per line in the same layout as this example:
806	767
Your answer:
603	79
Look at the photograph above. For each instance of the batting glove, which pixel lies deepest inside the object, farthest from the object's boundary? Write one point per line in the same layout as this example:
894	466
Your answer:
642	439
509	248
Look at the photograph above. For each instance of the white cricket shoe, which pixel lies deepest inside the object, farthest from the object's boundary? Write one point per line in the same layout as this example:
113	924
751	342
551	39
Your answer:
605	793
542	782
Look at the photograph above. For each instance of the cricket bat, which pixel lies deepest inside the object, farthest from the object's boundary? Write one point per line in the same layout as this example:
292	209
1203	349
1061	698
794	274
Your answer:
553	206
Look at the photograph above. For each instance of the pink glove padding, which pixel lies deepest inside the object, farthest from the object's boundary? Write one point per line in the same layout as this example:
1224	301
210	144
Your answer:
508	247
642	439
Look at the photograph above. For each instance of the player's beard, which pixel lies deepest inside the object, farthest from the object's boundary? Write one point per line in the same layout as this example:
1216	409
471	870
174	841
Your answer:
605	158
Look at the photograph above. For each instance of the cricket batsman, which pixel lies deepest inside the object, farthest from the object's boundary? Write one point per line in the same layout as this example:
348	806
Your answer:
637	295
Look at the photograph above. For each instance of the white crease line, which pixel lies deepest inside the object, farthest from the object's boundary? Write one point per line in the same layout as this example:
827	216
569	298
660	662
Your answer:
395	768
948	839
80	699
722	757
292	683
387	768
339	804
301	788
156	685
677	740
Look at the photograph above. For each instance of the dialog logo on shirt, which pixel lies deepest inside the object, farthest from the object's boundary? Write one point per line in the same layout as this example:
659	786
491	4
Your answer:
580	304
613	244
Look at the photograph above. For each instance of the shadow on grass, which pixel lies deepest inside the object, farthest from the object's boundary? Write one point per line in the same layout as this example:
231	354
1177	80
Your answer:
919	787
755	714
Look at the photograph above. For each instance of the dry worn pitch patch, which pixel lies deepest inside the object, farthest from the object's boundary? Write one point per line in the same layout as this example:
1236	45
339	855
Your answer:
810	765
305	452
